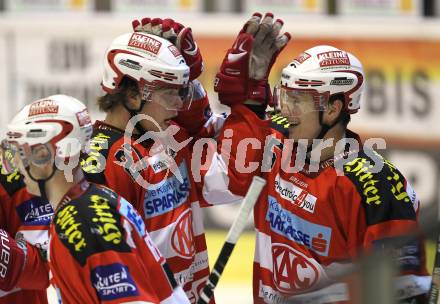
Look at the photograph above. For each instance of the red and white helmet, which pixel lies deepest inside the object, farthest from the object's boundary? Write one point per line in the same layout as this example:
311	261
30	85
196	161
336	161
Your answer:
59	120
325	71
153	62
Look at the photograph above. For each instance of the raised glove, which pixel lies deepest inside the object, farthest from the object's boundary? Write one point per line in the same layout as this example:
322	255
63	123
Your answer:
177	34
245	69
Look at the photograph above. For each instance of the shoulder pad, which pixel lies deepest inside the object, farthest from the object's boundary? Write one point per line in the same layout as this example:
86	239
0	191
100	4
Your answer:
91	224
381	186
11	182
93	163
279	123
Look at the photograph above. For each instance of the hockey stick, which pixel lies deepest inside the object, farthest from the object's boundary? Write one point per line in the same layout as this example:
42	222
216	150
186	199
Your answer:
234	233
435	284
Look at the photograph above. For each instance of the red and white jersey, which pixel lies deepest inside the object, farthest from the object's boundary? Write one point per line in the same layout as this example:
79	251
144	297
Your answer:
310	226
100	252
159	183
26	217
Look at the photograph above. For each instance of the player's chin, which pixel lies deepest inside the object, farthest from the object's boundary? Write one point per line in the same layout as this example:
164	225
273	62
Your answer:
294	132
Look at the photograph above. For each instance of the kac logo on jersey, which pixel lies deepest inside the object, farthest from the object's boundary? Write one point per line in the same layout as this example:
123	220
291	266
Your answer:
113	282
182	239
35	212
313	236
293	272
170	194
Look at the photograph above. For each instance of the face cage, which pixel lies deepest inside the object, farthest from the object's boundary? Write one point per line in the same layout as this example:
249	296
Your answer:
9	151
289	101
168	100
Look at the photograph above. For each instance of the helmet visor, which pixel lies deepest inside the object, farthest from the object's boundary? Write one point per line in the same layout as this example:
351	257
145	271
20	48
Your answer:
294	103
174	99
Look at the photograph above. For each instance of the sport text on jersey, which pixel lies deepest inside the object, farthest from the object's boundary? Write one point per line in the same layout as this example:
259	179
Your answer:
5	254
295	195
105	221
69	226
170	194
113	282
313	236
35	212
369	182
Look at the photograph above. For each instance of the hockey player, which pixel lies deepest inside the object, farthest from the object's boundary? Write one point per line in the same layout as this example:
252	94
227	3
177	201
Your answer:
24	275
148	75
99	249
326	201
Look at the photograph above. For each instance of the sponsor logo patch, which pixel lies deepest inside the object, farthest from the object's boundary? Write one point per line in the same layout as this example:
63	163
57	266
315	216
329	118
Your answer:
36	134
113	282
378	188
169	195
341	81
127	210
69	228
302	57
293	272
174	51
145	43
131	64
182	239
159	162
333	58
94	162
35	212
313	236
83	118
106	222
45	106
296	195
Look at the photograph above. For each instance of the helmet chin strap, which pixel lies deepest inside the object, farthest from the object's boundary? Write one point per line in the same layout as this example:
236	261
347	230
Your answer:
42	182
133	113
324	129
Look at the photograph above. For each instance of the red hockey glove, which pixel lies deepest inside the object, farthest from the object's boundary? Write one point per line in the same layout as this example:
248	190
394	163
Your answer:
245	69
177	34
12	259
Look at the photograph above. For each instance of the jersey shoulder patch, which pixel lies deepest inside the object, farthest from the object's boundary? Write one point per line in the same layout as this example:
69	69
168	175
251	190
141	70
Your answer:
12	183
381	186
94	162
279	123
91	224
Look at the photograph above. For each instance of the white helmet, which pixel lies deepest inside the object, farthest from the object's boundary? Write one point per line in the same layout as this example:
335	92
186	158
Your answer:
150	60
60	120
326	71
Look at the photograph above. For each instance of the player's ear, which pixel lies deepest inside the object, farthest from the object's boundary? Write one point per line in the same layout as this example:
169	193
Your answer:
133	101
333	111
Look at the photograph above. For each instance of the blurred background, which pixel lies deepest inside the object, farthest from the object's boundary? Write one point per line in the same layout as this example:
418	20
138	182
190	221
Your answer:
57	46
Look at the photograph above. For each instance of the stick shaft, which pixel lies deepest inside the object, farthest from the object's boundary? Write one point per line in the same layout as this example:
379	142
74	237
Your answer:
234	233
435	284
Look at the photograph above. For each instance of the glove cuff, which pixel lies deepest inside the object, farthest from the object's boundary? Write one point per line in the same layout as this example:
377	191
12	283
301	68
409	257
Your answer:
233	90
